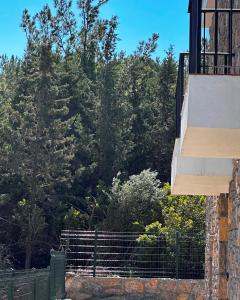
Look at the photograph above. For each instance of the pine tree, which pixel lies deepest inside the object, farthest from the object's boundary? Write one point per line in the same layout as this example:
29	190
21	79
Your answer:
41	147
107	125
162	134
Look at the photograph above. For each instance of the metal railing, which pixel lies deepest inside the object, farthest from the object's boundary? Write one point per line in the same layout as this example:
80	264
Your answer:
212	33
213	47
183	66
44	284
131	254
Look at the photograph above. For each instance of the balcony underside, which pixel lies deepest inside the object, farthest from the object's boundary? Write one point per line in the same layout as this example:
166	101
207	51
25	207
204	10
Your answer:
211	142
210	120
200	185
199	176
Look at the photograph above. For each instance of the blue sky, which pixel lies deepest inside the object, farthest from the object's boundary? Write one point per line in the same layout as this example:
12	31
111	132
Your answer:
138	20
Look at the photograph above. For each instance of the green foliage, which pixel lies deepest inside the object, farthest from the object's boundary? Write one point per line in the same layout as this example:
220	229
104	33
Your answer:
5	258
74	113
29	217
133	203
73	218
142	202
185	214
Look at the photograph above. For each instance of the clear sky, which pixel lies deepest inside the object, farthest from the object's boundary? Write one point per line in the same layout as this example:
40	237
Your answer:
138	20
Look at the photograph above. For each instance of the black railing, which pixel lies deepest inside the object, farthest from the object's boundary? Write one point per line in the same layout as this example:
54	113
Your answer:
213	45
212	31
183	66
132	254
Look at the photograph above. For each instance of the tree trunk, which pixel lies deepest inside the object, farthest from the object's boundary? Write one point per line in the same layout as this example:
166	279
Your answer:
28	257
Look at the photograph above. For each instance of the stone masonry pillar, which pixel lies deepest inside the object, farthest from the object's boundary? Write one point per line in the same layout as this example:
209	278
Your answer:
216	248
223	244
234	234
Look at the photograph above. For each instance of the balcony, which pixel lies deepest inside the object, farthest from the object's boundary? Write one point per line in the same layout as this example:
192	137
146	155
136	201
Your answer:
207	101
199	176
210	118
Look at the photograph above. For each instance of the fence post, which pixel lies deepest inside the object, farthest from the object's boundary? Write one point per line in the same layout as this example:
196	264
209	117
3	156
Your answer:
177	254
57	275
52	276
11	286
34	284
95	253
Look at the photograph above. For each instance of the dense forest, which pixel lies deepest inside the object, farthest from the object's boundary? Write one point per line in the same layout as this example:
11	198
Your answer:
86	134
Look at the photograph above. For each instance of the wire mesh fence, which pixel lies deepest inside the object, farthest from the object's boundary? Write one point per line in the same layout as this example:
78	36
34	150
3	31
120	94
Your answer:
43	284
131	254
28	284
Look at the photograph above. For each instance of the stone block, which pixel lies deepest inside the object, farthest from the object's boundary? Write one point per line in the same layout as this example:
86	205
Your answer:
107	283
69	276
167	285
223	290
222	257
79	296
134	286
223	206
230	212
223	229
185	286
93	287
114	291
151	284
182	297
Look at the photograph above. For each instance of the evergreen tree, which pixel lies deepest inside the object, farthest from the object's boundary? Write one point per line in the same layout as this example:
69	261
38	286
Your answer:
162	133
73	114
107	110
41	150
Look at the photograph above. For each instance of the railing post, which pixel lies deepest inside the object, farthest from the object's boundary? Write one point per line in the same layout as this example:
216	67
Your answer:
95	253
230	33
195	10
177	254
180	93
226	64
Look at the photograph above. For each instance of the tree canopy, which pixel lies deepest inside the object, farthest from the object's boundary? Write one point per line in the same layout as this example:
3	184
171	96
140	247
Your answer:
81	127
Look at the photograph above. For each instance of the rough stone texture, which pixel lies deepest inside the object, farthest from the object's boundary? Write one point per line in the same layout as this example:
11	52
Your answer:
233	261
223	218
216	248
82	288
212	251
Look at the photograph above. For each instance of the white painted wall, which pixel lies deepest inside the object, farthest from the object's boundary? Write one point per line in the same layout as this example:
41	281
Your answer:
210	124
214	101
199	176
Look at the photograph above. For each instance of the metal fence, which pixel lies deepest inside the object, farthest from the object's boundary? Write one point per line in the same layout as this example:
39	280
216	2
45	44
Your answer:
44	284
131	254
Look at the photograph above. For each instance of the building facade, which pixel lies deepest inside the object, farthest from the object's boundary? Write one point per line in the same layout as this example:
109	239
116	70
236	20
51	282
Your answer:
206	158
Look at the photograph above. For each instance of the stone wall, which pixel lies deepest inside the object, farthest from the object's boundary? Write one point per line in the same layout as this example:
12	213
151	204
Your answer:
223	243
212	250
83	288
233	258
216	248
